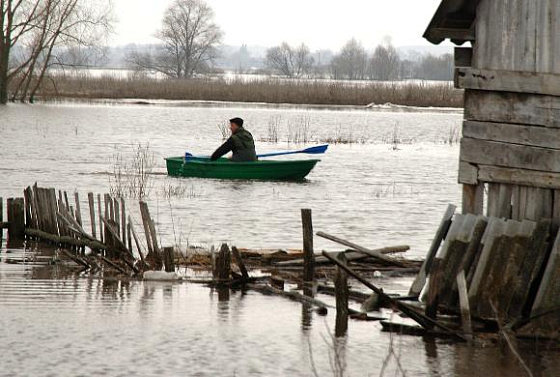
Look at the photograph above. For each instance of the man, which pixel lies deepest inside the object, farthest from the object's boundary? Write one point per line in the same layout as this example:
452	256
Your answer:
240	142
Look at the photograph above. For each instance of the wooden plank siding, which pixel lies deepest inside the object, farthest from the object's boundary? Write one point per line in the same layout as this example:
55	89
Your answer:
508	107
518	35
508	81
508	155
543	137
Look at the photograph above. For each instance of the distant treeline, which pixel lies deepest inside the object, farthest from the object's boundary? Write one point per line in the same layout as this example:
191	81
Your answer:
353	62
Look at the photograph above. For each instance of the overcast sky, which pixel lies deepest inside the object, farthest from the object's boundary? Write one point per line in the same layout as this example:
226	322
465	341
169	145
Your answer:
317	23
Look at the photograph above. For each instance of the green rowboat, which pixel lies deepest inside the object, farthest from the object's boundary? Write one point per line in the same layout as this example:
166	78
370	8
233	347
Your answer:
291	170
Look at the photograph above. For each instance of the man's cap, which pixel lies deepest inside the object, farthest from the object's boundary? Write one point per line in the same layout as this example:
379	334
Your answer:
237	121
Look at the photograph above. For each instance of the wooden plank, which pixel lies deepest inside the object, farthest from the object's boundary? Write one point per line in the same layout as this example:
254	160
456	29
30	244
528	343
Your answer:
100	216
510	33
464	304
123	222
350	255
468	173
91	202
509	81
493	274
53	209
549	290
496	35
480	48
528	60
556	207
539	204
507	107
518	176
16	219
452	260
223	264
543	49
146	223
509	155
341	293
472	254
517	198
535	136
117	217
529	269
494	230
441	233
168	258
492	202
136	240
512	263
34	207
308	255
504	201
239	261
372	253
473	199
27	198
78	211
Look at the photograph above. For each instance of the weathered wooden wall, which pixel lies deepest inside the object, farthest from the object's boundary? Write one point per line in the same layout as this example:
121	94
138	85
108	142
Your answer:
510	149
518	35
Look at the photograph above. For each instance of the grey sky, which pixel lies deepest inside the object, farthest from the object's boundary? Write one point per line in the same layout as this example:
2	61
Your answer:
317	23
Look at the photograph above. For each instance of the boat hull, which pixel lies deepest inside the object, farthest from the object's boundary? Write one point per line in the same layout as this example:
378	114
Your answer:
222	168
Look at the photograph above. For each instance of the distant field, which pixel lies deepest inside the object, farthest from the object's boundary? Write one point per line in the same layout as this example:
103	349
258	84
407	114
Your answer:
262	89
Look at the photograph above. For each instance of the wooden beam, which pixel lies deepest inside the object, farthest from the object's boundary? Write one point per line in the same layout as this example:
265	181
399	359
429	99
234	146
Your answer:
473	199
372	253
508	81
535	136
468	173
515	176
506	107
308	255
509	155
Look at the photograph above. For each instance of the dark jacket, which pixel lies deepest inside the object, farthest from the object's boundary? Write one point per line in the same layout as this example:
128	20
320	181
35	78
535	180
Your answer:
241	144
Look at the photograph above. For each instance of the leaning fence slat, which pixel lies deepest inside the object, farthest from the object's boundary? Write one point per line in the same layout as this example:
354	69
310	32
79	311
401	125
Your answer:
78	211
441	233
100	216
92	214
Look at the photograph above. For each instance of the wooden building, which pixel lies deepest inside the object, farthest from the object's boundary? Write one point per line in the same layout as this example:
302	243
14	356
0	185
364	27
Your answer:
509	164
511	78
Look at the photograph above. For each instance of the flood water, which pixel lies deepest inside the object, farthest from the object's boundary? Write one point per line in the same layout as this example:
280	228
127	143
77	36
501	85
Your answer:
57	322
368	192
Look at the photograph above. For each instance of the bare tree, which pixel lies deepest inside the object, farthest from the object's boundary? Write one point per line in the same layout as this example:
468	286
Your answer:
384	63
189	37
42	32
289	61
351	62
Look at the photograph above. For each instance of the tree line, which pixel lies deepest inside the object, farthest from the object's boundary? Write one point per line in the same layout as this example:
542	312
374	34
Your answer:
353	62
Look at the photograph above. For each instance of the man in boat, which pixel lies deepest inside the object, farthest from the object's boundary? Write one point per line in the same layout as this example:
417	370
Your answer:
240	142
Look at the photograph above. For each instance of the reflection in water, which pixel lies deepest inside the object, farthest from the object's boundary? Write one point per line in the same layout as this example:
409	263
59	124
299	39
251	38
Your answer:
432	360
306	316
223	303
